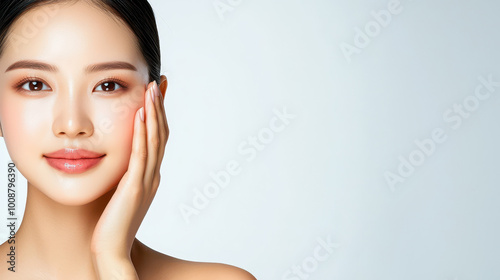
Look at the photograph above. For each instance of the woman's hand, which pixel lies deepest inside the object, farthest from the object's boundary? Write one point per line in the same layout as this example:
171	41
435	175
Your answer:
115	231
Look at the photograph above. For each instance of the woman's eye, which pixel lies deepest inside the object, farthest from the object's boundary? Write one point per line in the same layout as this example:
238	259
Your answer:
108	86
35	86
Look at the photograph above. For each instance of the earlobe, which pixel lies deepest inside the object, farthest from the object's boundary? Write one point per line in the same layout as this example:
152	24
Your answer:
163	85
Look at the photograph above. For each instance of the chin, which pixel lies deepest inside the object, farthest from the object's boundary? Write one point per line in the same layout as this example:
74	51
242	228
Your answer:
72	192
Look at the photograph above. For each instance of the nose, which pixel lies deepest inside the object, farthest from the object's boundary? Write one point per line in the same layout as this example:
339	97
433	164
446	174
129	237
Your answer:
72	118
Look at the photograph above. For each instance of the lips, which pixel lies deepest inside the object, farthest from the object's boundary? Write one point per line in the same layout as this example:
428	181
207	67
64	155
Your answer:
73	161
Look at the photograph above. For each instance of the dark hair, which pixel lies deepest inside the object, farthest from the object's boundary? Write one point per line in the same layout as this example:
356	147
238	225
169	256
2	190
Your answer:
137	14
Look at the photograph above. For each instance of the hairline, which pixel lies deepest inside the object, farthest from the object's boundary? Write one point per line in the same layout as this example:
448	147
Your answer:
96	3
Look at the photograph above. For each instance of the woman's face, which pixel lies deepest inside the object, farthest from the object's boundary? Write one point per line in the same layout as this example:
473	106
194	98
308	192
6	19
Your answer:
71	94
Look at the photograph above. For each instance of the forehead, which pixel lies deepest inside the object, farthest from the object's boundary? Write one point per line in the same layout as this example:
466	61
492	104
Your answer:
69	35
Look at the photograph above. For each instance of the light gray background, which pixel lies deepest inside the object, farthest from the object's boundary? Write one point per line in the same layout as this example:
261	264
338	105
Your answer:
323	175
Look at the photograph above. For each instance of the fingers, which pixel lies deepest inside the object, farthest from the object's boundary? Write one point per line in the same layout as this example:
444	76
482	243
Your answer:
163	121
162	124
150	137
153	136
139	154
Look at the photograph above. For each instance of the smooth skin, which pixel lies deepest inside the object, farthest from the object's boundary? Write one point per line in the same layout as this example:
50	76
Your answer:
83	226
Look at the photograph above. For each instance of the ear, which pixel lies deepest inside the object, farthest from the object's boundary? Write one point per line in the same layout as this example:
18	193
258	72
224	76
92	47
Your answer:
163	85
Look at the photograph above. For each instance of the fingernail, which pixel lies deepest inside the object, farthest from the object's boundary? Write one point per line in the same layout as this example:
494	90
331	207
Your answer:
141	113
157	89
151	92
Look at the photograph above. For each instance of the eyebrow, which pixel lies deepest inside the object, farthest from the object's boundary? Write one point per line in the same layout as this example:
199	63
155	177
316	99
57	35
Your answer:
37	65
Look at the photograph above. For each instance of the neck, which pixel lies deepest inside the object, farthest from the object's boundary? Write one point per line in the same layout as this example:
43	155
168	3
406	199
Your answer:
57	237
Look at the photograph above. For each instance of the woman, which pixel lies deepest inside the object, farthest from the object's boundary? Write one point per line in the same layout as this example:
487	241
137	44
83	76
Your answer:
82	115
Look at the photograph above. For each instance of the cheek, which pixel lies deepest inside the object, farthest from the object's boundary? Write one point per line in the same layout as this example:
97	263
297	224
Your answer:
21	123
116	128
118	132
26	127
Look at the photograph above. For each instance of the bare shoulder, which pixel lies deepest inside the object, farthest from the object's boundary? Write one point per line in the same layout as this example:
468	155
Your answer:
153	265
213	271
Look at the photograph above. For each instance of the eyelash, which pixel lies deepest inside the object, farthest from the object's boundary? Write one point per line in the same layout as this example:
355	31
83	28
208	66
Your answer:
122	84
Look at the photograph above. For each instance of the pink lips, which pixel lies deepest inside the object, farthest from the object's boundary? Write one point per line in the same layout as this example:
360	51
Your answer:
73	161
